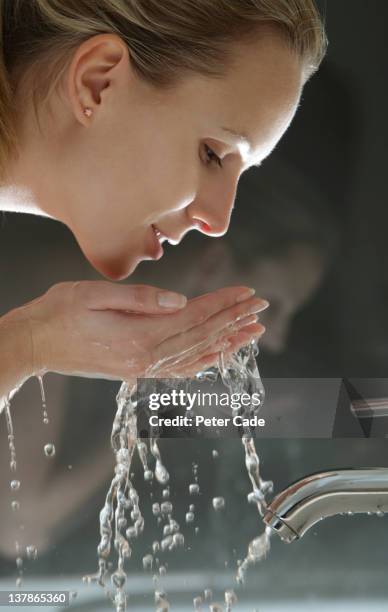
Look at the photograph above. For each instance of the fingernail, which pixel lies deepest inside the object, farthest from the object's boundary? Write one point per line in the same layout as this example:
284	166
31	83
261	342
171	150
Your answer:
245	320
167	299
257	307
245	295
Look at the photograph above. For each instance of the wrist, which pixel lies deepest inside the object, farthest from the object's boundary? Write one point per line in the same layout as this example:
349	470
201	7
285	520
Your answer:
15	354
21	338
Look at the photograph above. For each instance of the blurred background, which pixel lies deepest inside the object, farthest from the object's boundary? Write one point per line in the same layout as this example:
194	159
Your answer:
309	233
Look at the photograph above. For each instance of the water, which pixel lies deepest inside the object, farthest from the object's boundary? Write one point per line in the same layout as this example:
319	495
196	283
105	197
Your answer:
240	375
49	450
218	503
208	594
121	520
190	517
43	395
15	485
198	603
11	437
230	599
31	552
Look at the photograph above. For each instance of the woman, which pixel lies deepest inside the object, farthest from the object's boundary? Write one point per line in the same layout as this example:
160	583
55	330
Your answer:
131	122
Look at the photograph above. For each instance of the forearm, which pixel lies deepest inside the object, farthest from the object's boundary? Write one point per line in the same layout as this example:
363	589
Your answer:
16	356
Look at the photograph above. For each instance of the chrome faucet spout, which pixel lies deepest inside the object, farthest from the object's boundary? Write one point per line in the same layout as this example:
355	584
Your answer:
318	496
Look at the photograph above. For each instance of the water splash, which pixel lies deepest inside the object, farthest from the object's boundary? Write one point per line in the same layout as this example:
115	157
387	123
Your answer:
43	395
240	375
11	436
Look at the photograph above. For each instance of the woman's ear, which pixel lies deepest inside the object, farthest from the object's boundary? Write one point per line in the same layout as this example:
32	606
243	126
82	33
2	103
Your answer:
99	65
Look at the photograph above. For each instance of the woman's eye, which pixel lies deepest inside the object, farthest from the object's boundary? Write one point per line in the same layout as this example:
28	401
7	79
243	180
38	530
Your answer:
213	157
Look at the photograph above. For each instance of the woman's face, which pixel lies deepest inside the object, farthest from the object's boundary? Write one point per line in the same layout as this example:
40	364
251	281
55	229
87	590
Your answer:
150	157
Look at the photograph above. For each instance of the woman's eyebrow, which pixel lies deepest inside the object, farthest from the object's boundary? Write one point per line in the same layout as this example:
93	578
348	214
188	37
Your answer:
242	138
238	135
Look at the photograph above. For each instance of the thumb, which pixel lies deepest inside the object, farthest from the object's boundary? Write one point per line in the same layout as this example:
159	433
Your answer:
134	298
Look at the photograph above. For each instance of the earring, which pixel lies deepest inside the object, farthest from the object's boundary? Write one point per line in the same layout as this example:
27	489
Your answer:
88	112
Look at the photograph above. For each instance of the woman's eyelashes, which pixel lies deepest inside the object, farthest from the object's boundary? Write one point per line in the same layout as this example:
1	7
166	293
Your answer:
212	157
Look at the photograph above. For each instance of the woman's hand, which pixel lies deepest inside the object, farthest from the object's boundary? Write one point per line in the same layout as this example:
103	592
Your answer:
120	332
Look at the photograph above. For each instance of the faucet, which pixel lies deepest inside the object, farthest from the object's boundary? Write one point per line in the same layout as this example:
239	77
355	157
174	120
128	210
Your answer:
318	496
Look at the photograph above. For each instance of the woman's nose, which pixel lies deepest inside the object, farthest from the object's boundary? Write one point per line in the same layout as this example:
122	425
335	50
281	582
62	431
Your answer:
213	211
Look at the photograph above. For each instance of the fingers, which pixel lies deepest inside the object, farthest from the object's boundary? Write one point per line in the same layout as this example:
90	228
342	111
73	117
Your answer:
194	338
201	308
145	299
228	345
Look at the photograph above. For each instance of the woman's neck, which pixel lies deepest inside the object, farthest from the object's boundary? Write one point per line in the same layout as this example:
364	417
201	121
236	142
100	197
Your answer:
18	191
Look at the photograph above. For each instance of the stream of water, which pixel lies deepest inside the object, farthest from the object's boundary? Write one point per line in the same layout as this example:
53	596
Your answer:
121	519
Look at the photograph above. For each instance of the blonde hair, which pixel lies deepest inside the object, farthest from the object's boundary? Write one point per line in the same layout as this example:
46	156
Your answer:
166	39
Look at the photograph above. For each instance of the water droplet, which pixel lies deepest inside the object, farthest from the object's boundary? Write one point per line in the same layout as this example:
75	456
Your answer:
156	509
230	599
161	474
15	485
178	539
49	450
15	505
197	602
194	489
148	562
32	552
215	454
118	579
189	517
131	533
167	530
208	594
167	543
161	602
166	507
218	503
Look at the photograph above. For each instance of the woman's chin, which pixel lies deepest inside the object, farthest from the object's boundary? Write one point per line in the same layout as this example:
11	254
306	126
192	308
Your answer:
114	269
